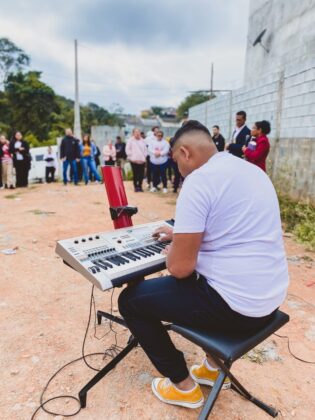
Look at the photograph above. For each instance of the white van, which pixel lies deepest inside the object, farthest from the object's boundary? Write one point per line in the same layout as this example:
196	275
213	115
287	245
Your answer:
38	165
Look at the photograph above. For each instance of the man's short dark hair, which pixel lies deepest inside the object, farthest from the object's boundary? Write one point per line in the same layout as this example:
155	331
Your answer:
242	114
191	125
216	126
154	127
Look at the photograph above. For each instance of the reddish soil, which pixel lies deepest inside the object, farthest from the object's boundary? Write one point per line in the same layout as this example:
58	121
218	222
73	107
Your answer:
44	309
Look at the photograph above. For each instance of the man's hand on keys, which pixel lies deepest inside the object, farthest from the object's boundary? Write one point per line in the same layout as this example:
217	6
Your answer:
163	233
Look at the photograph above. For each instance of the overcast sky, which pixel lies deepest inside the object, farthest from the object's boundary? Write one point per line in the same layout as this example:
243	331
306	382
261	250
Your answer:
136	53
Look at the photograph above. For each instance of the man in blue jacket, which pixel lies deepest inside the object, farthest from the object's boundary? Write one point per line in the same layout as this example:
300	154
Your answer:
239	135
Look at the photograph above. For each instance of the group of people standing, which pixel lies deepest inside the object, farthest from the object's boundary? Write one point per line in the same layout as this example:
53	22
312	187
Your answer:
14	154
72	151
151	155
252	145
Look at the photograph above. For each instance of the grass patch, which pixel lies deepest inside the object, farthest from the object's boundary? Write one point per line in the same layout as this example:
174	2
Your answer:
298	218
41	212
257	355
12	196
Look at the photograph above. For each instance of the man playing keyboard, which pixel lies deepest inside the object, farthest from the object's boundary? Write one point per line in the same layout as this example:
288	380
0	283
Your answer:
227	264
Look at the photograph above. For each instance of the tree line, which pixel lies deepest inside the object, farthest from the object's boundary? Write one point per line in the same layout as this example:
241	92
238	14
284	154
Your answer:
29	105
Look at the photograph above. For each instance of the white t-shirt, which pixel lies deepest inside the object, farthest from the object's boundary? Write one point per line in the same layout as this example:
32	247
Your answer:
163	147
242	253
50	163
17	145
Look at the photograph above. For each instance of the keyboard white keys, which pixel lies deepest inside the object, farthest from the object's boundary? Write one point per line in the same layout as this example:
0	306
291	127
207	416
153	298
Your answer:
109	259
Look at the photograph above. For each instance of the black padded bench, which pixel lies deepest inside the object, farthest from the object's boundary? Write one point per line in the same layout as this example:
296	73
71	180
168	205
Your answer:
225	349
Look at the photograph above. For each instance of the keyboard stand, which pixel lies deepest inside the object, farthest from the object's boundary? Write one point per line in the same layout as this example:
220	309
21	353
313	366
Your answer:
132	343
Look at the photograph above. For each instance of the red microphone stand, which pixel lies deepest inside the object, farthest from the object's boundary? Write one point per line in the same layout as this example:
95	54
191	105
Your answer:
119	210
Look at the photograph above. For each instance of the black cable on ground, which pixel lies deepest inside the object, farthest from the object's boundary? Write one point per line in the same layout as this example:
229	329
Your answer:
290	351
110	352
288	339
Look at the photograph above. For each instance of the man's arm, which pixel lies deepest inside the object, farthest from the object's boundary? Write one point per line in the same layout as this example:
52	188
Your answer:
62	149
165	149
78	150
236	148
183	253
221	143
128	148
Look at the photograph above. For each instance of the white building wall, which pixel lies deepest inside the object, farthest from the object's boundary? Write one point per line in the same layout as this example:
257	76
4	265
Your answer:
289	37
287	100
298	106
101	134
259	102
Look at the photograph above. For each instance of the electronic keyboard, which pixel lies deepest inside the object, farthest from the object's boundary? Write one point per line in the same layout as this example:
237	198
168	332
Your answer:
110	259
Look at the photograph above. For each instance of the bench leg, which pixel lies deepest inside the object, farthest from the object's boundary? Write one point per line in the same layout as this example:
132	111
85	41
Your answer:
269	410
212	397
238	387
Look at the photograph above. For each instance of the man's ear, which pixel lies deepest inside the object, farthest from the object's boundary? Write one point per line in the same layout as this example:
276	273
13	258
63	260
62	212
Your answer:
185	152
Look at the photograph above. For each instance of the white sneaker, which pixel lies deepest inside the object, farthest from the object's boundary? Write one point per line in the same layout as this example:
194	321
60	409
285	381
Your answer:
165	190
153	189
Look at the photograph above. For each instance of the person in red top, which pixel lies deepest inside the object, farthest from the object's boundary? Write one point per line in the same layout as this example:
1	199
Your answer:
258	147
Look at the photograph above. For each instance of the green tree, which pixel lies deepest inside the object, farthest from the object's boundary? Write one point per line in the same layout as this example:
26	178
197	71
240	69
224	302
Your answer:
157	110
12	59
29	105
33	104
93	114
189	101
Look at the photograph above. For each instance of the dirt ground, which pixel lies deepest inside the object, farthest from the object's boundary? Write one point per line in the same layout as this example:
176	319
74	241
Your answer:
44	310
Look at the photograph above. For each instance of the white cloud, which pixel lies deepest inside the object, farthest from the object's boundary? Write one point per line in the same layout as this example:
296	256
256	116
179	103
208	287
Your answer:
136	76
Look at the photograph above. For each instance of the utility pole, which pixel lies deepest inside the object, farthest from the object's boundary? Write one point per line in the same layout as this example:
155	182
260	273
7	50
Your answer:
211	81
77	120
210	96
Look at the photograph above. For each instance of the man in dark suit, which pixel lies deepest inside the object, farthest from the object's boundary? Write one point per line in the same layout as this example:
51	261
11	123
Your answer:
218	139
239	136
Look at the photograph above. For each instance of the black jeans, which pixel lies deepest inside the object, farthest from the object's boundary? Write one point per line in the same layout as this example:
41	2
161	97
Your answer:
50	174
138	174
190	302
149	175
21	171
177	175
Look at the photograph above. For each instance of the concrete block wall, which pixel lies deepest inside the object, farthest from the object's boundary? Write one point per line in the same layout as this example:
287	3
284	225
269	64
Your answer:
101	134
289	36
214	112
260	102
287	100
298	104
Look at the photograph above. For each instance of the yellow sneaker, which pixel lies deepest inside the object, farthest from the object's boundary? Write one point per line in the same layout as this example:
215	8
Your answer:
165	391
204	376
